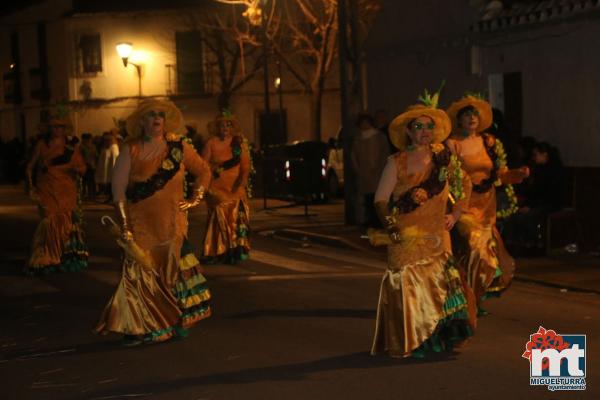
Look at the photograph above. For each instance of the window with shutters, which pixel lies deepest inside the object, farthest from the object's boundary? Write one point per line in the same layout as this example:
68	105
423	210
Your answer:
190	63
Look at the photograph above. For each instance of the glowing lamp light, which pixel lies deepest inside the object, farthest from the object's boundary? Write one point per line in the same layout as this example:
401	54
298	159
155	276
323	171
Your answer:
124	50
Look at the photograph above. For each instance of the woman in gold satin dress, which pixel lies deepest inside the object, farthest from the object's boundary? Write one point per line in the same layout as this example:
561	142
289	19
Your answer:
158	299
478	246
227	229
424	304
57	165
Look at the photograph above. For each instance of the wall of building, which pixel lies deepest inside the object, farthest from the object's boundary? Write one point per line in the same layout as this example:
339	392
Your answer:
557	63
559	71
153	38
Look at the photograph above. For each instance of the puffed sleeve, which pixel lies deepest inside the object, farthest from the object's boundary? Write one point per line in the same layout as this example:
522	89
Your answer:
120	174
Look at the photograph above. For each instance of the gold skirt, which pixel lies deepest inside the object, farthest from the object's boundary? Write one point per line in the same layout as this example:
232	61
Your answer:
415	301
146	305
481	253
227	232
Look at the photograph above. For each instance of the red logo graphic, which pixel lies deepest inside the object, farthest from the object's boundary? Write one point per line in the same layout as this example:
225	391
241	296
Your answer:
545	339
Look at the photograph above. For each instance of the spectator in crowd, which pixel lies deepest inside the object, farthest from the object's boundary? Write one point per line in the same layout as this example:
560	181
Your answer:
106	161
544	193
382	123
369	154
90	156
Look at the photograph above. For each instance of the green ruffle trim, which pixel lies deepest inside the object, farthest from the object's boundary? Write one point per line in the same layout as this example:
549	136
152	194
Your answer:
191	291
182	286
455	307
451	329
231	256
444	339
165	334
498	272
196	311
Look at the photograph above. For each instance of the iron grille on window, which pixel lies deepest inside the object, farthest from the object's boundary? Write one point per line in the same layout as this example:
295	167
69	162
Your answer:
91	53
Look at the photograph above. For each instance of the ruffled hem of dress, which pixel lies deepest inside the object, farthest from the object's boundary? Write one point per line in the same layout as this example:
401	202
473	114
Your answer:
231	256
191	289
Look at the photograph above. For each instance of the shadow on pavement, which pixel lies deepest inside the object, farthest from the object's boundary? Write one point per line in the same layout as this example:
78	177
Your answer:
286	372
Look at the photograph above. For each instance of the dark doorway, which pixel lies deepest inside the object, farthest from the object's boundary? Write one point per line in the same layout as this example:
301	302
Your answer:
272	128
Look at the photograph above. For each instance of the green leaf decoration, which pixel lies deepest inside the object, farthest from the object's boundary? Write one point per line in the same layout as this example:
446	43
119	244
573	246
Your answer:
431	99
477	95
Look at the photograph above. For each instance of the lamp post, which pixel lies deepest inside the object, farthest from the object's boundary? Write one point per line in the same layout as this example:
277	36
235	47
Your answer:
124	49
279	88
265	43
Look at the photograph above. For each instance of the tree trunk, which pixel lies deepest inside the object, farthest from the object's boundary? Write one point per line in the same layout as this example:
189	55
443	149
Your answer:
316	103
224	100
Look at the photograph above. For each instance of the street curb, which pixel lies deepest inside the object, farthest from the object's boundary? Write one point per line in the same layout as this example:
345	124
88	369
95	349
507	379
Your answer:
341	243
326	240
522	278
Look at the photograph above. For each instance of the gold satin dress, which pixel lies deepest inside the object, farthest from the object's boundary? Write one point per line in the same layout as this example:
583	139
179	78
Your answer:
159	302
58	242
423	304
228	225
479	248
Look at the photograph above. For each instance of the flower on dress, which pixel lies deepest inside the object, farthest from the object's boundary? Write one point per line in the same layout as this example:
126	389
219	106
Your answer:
437	147
172	137
167	164
176	154
419	195
443	174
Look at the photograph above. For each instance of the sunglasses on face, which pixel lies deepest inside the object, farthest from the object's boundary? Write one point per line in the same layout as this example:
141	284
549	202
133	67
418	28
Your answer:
226	124
154	114
471	113
419	126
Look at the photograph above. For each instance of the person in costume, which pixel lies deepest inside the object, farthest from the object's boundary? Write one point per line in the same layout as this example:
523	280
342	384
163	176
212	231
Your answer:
424	305
162	291
478	245
227	229
107	158
54	172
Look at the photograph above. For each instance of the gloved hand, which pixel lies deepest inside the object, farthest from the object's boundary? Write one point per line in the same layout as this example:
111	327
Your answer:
381	208
123	215
195	200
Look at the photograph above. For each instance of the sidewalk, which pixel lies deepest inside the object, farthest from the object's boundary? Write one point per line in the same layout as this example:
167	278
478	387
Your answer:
577	272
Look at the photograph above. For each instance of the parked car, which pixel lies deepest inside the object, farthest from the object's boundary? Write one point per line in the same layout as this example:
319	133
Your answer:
296	171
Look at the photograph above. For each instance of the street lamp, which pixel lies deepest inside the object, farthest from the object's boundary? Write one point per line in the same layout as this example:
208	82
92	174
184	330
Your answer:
124	49
279	88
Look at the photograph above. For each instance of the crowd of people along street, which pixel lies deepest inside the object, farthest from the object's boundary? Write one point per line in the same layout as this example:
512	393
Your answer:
435	207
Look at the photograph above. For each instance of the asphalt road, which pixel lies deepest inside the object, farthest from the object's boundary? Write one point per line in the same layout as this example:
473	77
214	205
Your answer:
294	322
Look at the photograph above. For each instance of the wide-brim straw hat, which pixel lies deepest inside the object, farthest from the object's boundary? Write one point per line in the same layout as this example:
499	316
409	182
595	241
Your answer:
173	117
484	109
397	128
213	126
